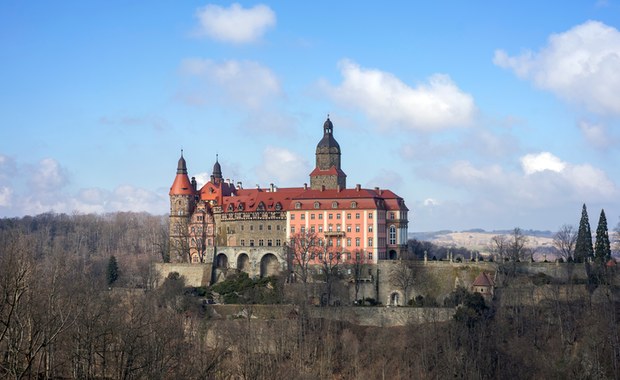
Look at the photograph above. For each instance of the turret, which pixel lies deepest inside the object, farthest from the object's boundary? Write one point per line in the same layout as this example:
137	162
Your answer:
182	203
327	171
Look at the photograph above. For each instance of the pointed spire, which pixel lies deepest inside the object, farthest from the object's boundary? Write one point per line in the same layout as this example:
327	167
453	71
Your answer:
181	166
217	168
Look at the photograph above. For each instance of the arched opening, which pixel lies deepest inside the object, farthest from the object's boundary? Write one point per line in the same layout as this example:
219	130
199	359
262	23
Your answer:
221	261
393	255
243	263
394	299
269	265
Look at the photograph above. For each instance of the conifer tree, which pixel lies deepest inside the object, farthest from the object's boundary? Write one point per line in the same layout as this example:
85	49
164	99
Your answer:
112	270
602	248
583	246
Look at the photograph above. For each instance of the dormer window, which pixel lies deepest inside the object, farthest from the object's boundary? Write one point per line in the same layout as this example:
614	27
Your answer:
278	206
317	205
353	204
261	206
334	204
298	205
240	207
231	207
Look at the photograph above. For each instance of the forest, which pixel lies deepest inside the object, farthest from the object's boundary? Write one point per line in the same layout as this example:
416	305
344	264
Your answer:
79	302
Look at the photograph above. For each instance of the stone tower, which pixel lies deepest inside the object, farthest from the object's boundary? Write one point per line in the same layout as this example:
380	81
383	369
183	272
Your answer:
182	204
327	172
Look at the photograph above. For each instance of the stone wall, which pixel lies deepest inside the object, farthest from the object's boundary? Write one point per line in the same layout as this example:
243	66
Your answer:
195	274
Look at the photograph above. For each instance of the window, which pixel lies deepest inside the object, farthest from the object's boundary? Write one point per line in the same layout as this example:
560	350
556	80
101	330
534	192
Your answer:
348	228
392	215
303	216
330	216
320	228
348	242
312	216
370	215
261	206
369	255
370	228
251	228
251	242
303	229
370	242
334	204
330	242
260	242
312	229
292	216
260	227
242	242
338	227
349	258
292	229
357	228
338	242
330	228
392	235
357	215
317	205
278	227
357	242
278	242
338	216
278	206
348	215
298	205
320	216
242	227
269	227
353	204
240	207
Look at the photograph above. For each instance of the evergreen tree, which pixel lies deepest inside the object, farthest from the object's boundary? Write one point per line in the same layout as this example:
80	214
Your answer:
583	246
112	270
602	249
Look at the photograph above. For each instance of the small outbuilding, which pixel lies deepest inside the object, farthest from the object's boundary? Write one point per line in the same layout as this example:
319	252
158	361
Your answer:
484	284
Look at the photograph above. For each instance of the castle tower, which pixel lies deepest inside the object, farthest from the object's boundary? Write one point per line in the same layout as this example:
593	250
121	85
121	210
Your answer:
182	203
217	171
327	172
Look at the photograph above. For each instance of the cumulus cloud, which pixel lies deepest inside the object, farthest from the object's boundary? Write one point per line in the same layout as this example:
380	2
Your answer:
49	175
596	134
235	24
538	162
389	102
579	65
233	82
284	166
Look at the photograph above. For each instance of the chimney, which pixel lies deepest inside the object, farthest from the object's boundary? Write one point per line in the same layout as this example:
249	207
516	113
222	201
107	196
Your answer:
322	187
271	188
239	187
376	188
194	184
228	181
305	186
338	188
358	187
257	186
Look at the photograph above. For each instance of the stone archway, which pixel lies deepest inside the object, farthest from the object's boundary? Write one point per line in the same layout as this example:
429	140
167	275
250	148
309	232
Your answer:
243	263
393	255
269	265
221	261
395	299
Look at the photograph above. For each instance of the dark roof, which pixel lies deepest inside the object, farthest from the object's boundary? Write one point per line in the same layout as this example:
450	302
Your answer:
328	140
217	169
484	279
181	166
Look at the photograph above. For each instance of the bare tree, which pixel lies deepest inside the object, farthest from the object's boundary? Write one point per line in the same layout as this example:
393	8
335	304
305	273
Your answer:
304	248
357	267
517	248
329	260
564	240
402	276
499	247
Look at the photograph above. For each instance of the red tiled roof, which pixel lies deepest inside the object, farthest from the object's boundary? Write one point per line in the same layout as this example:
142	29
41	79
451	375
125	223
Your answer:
484	279
331	171
181	186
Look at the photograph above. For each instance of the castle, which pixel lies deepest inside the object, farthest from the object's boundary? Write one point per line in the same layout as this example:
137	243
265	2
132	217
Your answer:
250	230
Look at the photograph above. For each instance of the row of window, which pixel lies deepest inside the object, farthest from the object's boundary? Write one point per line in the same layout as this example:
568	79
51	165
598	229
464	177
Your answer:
330	216
261	242
330	228
318	204
340	256
260	227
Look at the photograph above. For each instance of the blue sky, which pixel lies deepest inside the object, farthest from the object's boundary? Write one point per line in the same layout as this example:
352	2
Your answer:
480	114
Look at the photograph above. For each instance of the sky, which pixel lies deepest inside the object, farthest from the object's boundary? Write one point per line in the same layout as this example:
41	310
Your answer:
488	115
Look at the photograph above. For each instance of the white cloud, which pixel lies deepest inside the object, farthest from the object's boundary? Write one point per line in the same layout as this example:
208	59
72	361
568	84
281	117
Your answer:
237	83
5	196
596	134
538	162
579	65
430	202
49	175
235	24
283	166
389	102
